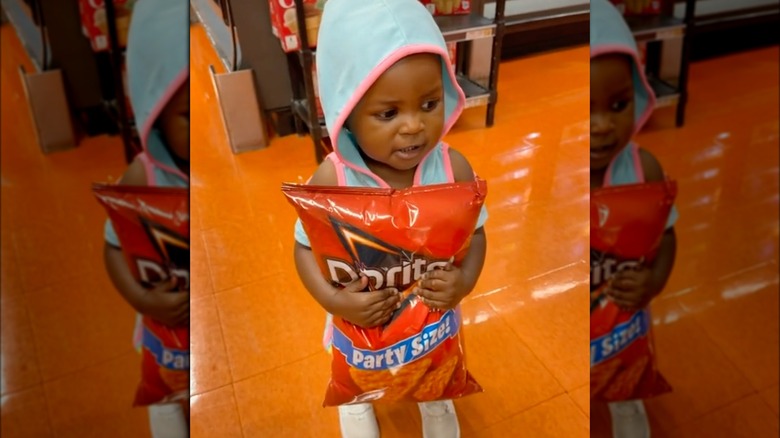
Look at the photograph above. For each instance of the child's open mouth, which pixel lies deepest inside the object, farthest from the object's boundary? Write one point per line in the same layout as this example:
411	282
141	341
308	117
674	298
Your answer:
600	153
409	152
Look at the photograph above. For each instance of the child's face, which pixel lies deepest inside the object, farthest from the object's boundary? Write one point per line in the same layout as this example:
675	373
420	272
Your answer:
611	107
401	117
174	122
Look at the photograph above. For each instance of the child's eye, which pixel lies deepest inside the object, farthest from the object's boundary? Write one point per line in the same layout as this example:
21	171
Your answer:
386	114
620	105
430	105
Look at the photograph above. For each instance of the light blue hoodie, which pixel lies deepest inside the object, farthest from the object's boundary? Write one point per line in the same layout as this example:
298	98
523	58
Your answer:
157	65
609	33
358	41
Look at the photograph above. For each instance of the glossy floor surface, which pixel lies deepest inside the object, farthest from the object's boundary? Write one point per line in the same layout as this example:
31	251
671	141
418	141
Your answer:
258	368
716	323
68	365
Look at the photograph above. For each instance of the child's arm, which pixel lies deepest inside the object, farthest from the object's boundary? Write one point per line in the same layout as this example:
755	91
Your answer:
353	303
159	303
636	288
445	288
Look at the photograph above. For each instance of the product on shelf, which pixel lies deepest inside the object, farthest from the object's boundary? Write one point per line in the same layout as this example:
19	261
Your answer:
393	237
638	7
284	23
642	48
94	23
447	7
317	102
452	48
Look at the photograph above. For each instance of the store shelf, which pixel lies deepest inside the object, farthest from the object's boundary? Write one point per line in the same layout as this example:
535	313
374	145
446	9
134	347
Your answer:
476	95
300	108
654	28
465	27
666	94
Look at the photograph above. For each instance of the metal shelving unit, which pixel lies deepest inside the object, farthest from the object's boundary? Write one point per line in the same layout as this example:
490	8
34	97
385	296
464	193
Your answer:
460	29
655	30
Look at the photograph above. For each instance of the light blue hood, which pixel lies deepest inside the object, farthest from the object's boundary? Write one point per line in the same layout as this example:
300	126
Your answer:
358	41
609	33
157	65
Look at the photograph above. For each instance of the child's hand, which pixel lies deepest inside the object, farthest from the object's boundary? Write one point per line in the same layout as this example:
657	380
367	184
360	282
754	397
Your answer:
633	289
164	305
366	308
442	289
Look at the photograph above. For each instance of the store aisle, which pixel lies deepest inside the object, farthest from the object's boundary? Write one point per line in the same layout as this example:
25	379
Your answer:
68	366
717	321
258	368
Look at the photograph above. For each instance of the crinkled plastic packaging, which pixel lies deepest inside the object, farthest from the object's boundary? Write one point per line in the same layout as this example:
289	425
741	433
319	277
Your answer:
393	237
627	223
152	224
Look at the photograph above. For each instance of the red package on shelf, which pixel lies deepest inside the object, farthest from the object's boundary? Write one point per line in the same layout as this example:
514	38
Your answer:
393	237
284	23
152	224
637	7
447	7
626	226
94	24
318	104
452	50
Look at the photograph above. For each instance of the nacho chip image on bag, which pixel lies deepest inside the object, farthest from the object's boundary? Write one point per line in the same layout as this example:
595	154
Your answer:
627	223
152	224
393	236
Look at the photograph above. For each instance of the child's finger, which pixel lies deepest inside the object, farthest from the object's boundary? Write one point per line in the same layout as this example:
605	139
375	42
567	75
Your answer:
357	285
436	304
380	298
432	284
427	294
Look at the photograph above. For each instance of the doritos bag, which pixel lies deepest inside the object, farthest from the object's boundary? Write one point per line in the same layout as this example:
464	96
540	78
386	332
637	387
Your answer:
393	237
626	226
152	224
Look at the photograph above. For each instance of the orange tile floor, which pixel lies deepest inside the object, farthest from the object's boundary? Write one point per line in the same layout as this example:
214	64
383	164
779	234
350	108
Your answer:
258	368
68	365
716	323
68	368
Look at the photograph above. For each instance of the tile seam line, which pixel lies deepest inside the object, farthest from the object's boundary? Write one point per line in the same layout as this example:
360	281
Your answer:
243	379
720	349
720	408
533	353
754	390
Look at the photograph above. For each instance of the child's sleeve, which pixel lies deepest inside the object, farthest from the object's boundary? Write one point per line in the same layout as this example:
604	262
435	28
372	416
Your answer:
300	234
110	235
483	216
672	217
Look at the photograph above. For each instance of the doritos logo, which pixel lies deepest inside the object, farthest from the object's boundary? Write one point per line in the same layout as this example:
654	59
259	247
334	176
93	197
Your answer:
385	265
169	246
604	267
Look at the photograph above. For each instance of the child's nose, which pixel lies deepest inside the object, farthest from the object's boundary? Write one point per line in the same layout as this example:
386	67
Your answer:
600	123
412	124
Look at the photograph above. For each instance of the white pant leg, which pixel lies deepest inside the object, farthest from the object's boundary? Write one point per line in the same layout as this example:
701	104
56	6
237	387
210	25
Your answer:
168	421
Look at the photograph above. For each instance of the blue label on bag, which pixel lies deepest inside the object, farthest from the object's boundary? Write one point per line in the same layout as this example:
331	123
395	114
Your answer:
176	360
619	338
402	352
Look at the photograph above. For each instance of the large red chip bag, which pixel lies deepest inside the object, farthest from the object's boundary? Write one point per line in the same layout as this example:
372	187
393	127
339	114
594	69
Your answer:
393	237
153	226
626	226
